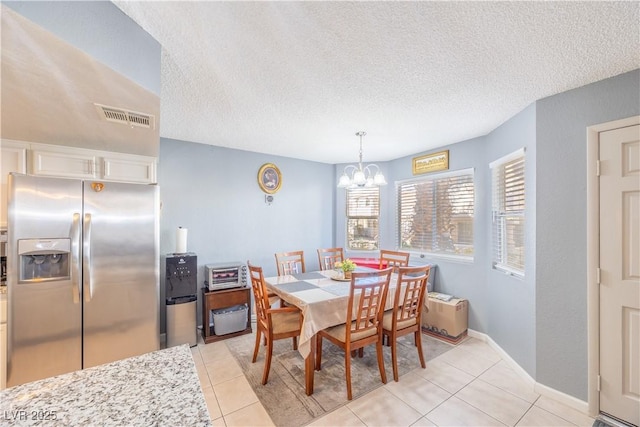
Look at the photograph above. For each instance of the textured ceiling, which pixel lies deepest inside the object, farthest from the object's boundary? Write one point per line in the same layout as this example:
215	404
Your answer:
298	79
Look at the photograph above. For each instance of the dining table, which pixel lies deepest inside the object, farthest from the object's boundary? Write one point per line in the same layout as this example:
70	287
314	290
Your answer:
322	297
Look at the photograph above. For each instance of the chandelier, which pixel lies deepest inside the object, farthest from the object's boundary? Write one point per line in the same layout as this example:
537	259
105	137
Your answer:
357	176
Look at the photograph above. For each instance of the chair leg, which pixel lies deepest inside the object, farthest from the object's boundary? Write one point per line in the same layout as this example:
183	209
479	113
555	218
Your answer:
257	346
383	374
394	356
267	361
418	337
318	361
361	352
295	343
347	372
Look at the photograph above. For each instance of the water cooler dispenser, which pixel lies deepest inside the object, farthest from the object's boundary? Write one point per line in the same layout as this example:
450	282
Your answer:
181	298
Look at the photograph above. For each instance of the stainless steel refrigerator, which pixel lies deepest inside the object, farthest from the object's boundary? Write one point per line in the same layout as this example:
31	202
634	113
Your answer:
83	274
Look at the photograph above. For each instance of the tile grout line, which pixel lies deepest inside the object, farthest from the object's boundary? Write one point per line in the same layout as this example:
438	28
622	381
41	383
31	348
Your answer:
525	413
486	413
213	390
466	385
555	414
470	354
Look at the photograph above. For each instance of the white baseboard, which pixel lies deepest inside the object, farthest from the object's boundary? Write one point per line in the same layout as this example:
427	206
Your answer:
504	355
570	401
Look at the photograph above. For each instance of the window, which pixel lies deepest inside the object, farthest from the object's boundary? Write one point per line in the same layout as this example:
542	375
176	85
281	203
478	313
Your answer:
363	210
435	214
508	213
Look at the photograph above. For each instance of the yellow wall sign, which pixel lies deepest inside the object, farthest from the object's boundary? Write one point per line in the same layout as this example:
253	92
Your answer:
431	162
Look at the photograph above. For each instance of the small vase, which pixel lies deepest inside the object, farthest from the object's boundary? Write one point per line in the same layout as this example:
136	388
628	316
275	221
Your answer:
347	274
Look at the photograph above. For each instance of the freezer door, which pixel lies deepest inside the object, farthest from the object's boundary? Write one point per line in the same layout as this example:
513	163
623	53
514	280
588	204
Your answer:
120	271
44	313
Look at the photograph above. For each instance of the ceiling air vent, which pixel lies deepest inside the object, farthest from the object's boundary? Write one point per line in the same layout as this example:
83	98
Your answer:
125	117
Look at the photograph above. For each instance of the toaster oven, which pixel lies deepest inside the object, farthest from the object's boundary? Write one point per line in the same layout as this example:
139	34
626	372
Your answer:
225	275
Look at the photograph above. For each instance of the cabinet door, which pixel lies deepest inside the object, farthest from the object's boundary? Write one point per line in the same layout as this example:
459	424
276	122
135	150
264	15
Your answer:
129	168
63	163
13	158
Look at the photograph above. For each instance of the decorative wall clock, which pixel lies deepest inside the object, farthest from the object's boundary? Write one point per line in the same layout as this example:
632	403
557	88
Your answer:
269	178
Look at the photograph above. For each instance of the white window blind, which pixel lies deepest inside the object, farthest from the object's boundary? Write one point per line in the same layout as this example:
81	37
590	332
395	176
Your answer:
363	211
508	204
435	214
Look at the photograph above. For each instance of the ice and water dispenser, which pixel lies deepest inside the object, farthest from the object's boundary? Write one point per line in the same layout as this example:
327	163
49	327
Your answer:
181	298
43	260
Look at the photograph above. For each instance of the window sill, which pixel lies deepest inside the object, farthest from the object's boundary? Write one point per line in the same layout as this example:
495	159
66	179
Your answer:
509	271
462	259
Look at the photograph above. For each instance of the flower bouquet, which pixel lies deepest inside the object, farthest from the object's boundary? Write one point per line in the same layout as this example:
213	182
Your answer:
347	266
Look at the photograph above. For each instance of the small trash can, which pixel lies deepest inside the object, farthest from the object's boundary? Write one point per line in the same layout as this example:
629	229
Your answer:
229	320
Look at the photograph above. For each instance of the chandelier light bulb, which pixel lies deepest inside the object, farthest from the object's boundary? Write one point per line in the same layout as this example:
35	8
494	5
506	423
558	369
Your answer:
345	181
379	179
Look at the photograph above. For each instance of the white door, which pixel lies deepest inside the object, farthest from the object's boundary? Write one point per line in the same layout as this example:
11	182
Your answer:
620	273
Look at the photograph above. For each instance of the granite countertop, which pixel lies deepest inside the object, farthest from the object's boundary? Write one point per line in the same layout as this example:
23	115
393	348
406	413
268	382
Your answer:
155	389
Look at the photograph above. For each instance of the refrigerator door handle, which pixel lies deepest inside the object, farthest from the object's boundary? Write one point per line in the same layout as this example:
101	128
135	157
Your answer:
75	254
86	259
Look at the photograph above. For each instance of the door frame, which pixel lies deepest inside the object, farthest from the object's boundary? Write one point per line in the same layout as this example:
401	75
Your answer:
593	257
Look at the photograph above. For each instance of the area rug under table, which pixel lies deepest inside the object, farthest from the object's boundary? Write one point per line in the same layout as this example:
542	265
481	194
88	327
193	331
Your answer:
284	398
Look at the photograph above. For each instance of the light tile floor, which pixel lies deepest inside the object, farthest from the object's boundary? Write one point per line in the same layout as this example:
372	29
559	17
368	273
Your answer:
467	386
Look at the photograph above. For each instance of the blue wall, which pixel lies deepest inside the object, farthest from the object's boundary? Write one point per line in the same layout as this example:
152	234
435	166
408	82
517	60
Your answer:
461	278
499	305
510	302
541	320
561	268
214	193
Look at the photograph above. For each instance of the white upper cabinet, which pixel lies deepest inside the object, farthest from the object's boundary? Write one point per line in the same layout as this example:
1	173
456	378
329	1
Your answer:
63	162
129	168
13	158
70	162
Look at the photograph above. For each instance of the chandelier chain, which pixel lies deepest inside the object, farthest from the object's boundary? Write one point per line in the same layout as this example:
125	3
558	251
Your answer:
361	134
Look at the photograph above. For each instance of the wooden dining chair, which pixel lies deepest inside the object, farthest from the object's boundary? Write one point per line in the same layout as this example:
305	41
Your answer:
367	296
405	316
274	323
393	259
327	258
290	262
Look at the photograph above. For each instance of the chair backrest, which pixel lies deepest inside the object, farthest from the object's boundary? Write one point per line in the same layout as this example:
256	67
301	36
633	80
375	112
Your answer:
259	293
327	258
393	259
290	263
367	297
410	292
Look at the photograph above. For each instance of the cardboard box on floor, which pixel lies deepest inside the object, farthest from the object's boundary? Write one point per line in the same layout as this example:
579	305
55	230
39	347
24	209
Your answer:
446	318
